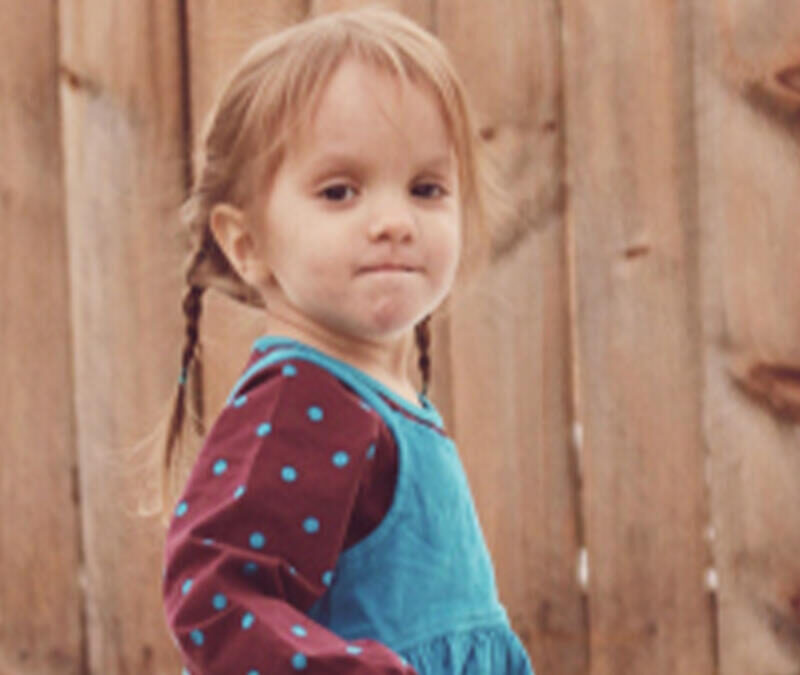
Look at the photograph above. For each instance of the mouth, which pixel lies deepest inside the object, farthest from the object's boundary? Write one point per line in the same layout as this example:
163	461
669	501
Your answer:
389	268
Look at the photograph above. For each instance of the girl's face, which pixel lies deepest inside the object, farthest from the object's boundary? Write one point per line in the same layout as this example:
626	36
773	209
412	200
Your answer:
362	224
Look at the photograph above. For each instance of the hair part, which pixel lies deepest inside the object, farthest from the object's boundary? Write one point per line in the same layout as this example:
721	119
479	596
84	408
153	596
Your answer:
267	99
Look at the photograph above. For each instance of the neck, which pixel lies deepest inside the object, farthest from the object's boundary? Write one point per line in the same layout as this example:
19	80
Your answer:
387	360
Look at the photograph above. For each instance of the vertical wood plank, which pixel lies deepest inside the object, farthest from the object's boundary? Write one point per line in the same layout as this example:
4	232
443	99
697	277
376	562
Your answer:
40	596
219	34
631	209
420	11
510	339
747	70
123	151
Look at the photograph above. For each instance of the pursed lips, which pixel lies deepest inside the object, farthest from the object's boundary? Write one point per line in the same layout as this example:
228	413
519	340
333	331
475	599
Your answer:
389	267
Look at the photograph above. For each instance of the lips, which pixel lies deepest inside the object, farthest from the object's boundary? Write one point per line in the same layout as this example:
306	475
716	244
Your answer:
389	267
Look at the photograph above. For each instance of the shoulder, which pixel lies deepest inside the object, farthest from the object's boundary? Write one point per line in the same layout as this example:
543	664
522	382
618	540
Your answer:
298	395
287	417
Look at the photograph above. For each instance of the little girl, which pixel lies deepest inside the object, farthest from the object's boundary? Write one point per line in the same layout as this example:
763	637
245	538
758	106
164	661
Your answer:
327	525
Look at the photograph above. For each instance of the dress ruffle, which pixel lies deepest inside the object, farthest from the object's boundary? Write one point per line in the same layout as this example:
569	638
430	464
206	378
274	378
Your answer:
490	650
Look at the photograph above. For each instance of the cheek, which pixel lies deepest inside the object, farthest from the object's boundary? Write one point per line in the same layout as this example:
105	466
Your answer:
324	269
449	246
321	261
444	253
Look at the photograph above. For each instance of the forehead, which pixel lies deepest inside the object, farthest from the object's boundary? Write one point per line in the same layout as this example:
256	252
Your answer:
365	108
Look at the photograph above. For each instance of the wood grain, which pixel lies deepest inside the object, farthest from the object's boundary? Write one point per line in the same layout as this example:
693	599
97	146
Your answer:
633	221
122	135
748	136
40	594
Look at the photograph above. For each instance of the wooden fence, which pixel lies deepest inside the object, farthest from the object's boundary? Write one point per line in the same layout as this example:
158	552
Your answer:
624	388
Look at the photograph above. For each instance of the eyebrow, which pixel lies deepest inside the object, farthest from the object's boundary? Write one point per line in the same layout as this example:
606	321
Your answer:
439	161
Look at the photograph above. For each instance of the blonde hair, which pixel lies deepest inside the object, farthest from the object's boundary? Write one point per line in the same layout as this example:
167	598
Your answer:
266	100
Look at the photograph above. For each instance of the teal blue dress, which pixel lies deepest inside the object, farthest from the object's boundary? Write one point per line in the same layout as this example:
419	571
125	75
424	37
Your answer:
422	581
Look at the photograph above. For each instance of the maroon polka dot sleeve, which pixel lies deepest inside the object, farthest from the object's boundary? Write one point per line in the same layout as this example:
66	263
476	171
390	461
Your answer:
293	471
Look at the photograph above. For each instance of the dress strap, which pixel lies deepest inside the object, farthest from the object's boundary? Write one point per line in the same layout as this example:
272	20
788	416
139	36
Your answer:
342	371
374	392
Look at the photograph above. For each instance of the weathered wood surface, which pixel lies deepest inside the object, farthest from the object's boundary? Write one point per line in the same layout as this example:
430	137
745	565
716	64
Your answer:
40	595
747	115
631	210
122	135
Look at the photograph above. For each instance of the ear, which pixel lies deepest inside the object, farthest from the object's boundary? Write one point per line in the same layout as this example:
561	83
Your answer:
234	238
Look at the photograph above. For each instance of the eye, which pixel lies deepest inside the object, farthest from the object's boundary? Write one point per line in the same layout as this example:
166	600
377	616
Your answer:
429	190
336	193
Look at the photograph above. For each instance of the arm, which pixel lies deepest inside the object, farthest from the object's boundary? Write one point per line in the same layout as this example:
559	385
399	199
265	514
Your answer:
258	529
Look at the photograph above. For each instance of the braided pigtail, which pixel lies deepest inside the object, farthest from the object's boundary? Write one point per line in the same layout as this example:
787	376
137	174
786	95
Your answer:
191	373
190	363
422	333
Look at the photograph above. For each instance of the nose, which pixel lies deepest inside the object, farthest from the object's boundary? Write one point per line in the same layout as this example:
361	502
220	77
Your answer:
393	220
